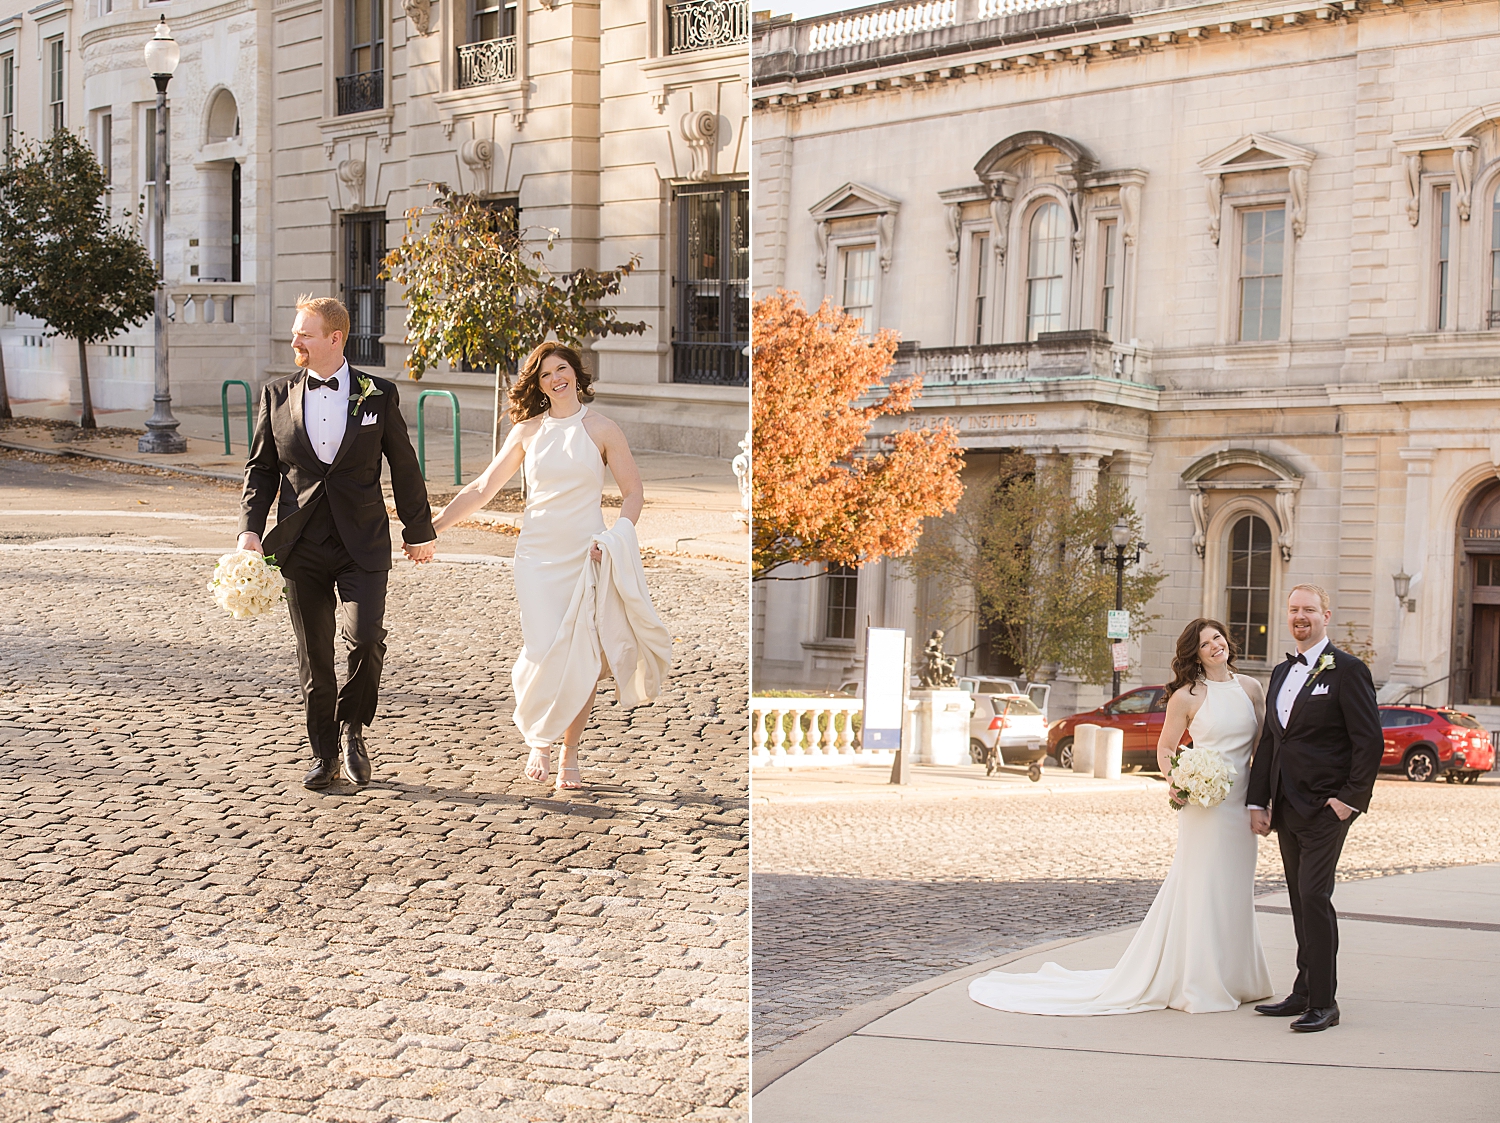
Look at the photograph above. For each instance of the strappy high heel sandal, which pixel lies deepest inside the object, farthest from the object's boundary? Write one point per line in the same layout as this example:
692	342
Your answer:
569	777
537	765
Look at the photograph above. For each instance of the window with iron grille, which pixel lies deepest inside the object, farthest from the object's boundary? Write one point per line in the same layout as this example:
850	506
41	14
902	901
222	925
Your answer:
362	87
842	584
55	85
490	54
712	285
364	291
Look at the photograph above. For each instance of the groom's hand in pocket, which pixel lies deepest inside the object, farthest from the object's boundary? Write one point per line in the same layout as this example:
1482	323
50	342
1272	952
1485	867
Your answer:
1342	810
251	541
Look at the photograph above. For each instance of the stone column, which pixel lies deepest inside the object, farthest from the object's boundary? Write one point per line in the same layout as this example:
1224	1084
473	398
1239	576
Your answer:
1085	472
1409	665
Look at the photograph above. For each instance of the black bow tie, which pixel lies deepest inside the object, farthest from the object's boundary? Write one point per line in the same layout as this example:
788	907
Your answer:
1297	658
316	383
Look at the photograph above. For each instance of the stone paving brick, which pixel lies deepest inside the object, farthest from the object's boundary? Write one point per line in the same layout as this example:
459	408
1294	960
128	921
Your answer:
187	934
854	901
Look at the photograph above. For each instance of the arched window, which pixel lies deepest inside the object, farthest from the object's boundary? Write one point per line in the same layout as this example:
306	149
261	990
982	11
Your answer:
1494	317
1249	586
223	117
1044	270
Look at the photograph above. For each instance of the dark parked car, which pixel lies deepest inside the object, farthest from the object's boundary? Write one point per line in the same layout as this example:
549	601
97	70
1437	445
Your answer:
1425	742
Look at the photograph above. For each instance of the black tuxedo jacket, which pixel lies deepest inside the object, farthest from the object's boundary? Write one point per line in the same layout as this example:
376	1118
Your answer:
282	462
1331	745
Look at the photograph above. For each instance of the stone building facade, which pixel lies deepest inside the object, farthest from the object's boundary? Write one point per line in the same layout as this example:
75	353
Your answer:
1243	256
302	130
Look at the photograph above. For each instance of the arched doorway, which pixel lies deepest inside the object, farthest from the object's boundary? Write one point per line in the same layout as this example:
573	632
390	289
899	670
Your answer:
1476	625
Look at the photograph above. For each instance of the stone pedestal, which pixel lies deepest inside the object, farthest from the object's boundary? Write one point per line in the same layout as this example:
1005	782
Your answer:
941	726
1109	752
1084	739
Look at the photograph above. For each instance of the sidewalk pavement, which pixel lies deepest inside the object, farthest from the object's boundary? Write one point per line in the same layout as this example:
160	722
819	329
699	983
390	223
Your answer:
690	500
1419	966
928	782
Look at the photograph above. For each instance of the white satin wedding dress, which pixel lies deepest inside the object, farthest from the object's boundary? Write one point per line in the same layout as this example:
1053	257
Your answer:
1198	949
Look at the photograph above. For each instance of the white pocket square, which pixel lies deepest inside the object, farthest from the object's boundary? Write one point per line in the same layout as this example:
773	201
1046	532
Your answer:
368	419
1320	689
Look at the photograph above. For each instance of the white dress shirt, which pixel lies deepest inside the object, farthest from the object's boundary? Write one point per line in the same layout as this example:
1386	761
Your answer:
1296	679
326	413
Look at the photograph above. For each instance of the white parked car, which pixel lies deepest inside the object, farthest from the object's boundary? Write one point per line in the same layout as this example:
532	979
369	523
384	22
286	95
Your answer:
1038	692
1007	729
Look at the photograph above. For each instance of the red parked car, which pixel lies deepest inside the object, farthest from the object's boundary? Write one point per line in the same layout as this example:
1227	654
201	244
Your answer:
1424	742
1138	713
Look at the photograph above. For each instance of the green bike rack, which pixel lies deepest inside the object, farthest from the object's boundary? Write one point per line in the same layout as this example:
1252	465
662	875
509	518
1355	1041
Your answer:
249	418
458	476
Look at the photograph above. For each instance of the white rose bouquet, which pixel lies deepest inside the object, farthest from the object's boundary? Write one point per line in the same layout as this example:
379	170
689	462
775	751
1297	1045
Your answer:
247	584
1199	775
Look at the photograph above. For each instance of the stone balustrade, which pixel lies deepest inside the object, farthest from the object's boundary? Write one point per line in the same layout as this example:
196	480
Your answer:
778	738
1053	355
212	303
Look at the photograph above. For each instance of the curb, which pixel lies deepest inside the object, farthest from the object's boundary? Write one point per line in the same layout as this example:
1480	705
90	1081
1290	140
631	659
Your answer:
79	454
930	795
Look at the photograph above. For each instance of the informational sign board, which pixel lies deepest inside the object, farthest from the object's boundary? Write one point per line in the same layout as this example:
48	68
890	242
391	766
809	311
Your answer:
1119	624
885	687
1121	652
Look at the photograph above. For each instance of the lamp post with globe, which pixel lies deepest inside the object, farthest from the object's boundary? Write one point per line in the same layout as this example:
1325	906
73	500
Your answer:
1119	535
162	54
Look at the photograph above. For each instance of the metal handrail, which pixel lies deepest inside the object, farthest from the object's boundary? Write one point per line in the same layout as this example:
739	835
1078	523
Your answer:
1420	690
249	413
458	477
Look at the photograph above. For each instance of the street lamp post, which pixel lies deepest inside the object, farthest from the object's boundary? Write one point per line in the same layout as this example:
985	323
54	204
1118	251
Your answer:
162	54
1119	535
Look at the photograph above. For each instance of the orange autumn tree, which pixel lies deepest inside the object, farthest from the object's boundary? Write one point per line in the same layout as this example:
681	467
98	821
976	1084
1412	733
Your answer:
820	491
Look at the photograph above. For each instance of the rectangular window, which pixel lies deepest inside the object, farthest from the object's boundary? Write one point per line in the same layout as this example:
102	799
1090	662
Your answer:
1249	586
362	86
711	285
364	291
55	86
843	589
107	146
857	265
1262	241
1444	200
8	100
1109	288
981	284
492	19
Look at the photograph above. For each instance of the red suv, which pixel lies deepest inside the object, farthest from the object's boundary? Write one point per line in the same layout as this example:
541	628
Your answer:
1139	714
1425	741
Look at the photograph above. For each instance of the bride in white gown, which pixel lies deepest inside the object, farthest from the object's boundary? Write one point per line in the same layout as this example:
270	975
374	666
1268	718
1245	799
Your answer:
1198	949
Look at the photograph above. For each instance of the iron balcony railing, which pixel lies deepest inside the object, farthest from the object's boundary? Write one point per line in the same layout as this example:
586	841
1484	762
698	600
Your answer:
711	363
361	92
701	25
484	64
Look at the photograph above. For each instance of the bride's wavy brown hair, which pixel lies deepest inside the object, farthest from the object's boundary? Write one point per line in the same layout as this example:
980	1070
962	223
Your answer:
1187	668
527	398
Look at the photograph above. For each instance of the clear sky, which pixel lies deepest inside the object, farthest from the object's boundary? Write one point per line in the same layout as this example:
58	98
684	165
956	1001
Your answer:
802	9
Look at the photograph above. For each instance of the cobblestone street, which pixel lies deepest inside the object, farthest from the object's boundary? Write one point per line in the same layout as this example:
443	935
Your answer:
855	900
188	934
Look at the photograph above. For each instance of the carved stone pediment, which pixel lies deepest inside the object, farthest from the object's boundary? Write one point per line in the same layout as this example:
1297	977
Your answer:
1244	470
854	201
1259	153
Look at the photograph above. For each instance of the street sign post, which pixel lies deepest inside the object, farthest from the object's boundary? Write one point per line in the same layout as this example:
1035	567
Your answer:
1119	625
1121	653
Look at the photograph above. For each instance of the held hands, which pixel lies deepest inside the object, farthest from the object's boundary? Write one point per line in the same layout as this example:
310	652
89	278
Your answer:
420	554
250	541
1260	821
1342	810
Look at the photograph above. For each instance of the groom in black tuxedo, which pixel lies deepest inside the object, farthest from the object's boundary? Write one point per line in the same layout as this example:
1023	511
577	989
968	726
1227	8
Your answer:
1314	770
319	439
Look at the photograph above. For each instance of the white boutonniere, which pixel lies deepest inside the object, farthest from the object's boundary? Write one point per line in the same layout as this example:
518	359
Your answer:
1325	663
367	389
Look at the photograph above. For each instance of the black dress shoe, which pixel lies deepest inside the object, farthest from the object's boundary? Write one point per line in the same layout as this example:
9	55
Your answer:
356	757
324	772
1316	1018
1290	1006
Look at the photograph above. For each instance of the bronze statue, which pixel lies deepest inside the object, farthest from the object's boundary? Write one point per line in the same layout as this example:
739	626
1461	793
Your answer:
937	667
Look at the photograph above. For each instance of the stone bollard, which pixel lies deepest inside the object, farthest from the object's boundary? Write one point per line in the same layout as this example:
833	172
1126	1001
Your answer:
1084	739
1109	751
